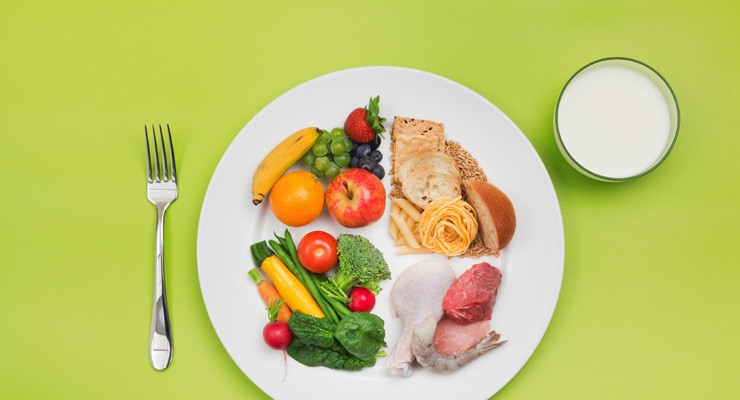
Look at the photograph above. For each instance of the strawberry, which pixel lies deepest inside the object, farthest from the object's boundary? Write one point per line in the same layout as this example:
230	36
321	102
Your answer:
363	124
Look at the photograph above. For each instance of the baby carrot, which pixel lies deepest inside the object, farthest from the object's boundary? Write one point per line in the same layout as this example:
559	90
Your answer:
269	294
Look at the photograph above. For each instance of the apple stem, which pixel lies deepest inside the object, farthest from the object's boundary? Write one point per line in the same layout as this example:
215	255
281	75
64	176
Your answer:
346	187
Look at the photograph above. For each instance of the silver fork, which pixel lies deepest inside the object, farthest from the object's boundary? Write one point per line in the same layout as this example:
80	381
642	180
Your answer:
161	190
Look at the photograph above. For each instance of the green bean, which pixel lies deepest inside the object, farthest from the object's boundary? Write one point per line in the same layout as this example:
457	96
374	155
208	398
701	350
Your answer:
291	245
326	306
282	241
340	308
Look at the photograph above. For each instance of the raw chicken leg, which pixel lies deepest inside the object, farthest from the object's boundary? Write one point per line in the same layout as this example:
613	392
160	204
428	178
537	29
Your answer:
416	294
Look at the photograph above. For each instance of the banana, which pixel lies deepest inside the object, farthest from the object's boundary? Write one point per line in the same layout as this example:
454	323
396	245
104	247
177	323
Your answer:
279	159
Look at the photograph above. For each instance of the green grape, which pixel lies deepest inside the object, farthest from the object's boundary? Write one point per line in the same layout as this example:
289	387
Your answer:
337	134
342	160
324	138
321	163
332	170
324	132
338	148
309	158
316	172
320	149
348	144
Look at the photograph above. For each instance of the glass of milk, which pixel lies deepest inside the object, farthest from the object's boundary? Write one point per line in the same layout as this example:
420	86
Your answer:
616	119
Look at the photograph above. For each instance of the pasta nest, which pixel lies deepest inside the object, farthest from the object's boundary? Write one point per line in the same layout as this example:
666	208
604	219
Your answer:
448	226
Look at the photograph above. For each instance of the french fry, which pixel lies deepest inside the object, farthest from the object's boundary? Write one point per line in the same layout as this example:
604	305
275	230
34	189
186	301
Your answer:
408	208
404	229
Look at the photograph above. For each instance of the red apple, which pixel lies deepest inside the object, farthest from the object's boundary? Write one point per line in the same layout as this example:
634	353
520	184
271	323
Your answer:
355	198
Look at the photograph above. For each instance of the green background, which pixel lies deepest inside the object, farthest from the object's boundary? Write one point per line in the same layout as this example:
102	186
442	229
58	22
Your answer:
649	306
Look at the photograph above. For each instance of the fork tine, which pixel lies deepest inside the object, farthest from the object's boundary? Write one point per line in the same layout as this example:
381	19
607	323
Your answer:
156	154
148	157
166	175
173	170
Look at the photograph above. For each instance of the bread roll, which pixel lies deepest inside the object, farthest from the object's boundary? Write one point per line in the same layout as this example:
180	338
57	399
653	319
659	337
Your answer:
495	213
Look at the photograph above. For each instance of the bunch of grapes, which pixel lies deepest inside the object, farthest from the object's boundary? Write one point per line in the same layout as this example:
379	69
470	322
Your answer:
367	156
329	154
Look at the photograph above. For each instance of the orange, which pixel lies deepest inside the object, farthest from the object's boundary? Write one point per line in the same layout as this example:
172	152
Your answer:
297	198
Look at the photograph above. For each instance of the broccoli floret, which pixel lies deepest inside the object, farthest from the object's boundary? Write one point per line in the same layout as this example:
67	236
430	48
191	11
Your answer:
360	264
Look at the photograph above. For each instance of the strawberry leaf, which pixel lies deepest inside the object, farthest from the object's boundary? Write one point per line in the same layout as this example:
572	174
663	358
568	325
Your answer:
373	118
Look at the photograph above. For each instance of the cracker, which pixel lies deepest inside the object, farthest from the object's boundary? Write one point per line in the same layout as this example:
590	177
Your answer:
412	137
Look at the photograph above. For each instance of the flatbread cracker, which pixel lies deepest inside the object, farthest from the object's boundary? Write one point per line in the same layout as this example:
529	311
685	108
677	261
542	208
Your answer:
412	137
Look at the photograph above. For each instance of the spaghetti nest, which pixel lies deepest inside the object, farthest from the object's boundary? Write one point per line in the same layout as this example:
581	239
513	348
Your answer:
448	226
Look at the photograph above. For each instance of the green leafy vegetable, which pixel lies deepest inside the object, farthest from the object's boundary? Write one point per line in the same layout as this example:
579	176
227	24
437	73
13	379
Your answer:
334	357
350	345
360	264
311	330
362	334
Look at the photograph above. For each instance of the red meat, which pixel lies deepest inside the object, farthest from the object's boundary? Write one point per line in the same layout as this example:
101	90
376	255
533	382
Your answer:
451	338
472	295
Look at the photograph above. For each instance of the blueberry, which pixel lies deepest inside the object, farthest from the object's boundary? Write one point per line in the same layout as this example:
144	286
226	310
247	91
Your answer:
378	171
354	162
355	145
375	143
367	164
376	156
367	159
363	150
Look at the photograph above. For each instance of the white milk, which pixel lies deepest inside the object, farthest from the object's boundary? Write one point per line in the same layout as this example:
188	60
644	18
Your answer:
614	121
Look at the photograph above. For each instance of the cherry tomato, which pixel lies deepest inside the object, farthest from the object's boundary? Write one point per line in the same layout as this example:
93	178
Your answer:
317	251
361	299
277	335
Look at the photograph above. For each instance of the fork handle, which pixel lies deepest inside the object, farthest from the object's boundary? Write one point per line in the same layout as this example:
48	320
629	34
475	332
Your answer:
160	335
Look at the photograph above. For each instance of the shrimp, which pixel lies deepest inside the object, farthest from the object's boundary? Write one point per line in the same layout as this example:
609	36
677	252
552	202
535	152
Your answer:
423	348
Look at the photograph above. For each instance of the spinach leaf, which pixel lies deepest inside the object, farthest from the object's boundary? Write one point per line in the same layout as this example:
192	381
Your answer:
350	345
335	356
362	334
311	330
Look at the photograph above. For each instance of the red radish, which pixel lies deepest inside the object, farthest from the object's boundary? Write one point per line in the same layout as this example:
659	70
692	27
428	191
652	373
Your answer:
276	333
361	299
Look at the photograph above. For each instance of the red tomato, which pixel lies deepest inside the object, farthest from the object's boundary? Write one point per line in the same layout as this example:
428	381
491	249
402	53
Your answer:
361	299
317	251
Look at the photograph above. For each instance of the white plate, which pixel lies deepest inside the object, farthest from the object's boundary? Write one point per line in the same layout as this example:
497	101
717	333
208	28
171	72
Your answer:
532	265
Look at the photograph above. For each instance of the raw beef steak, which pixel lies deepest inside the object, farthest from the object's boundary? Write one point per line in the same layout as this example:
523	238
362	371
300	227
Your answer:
473	294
